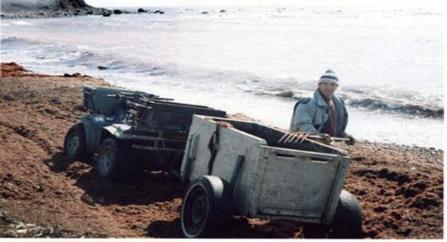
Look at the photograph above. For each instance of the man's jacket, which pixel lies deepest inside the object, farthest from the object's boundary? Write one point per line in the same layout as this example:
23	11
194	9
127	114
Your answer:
310	115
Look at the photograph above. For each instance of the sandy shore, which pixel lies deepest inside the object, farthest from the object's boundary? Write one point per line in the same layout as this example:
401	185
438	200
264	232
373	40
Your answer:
400	188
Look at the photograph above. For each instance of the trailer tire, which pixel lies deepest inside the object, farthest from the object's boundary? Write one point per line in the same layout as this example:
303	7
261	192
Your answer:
206	207
348	218
115	161
75	144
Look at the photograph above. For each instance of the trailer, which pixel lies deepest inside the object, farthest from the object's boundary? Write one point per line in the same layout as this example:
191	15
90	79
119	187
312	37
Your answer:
236	167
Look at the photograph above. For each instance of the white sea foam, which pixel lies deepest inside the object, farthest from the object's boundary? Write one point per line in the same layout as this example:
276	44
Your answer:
23	23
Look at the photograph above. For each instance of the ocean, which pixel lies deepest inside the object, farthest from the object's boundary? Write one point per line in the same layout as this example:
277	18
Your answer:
389	61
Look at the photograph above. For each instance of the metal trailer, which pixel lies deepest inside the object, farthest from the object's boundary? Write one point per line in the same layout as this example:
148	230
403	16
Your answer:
239	168
127	131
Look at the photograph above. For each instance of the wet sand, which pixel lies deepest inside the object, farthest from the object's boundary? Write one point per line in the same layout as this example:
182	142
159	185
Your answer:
400	188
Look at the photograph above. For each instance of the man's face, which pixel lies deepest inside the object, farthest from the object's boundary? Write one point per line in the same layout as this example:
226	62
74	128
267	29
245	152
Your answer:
327	88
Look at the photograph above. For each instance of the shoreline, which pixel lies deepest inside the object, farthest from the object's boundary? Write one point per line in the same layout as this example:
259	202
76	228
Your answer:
400	187
62	8
52	14
38	14
16	9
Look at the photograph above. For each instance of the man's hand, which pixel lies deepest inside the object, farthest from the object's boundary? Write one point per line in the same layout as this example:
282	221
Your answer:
351	140
325	138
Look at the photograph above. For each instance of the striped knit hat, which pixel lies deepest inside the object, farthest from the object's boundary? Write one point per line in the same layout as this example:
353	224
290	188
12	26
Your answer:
328	77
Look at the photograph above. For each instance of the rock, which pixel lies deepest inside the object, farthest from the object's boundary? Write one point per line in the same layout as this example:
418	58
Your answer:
285	94
159	12
107	13
372	233
421	185
117	11
423	201
56	100
58	192
20	225
401	179
140	10
358	158
204	12
102	68
72	75
21	231
362	192
396	215
38	188
88	199
408	192
222	11
379	209
405	231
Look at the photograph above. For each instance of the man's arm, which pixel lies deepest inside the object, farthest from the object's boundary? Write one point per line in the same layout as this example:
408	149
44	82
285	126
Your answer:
302	120
346	135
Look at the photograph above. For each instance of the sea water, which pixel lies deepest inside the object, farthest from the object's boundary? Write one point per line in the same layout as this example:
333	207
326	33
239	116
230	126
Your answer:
389	61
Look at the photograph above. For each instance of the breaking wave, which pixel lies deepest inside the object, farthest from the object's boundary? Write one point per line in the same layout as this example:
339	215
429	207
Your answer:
72	56
53	54
360	99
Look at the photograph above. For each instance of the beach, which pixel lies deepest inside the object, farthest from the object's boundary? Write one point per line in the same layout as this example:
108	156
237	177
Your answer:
400	188
253	63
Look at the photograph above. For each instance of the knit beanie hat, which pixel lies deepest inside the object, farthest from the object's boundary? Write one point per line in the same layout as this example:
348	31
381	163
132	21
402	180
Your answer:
329	77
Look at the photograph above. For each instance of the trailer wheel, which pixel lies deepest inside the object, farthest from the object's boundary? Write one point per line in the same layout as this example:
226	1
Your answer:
74	143
115	161
206	207
348	218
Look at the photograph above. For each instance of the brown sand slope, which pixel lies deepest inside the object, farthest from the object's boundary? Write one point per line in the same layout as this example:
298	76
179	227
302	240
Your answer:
400	188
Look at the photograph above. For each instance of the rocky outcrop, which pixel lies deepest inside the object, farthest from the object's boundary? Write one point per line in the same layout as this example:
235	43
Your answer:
46	8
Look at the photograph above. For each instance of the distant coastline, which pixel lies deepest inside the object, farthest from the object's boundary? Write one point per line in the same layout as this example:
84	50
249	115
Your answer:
19	9
12	9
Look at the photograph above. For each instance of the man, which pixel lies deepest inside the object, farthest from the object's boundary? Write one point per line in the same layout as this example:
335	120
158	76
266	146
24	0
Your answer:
324	113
